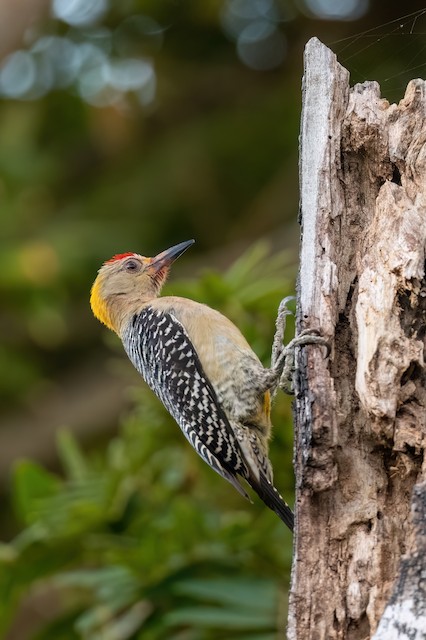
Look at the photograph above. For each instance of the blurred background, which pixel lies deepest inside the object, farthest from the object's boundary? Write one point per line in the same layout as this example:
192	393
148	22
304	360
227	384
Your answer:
130	126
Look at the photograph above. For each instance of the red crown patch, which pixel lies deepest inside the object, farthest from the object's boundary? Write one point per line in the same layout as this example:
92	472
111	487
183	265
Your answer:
119	256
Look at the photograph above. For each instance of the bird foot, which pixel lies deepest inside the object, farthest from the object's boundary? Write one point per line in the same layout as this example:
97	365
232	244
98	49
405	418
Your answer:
283	356
280	326
308	336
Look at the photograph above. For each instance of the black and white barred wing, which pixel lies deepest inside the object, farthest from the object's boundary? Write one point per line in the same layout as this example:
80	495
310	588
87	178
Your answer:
160	349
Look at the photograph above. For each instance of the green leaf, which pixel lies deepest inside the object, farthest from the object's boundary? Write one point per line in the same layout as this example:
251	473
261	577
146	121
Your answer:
71	456
108	582
248	594
218	618
31	484
101	623
7	553
240	270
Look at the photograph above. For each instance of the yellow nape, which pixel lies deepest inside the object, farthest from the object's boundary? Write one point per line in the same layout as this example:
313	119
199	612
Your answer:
99	305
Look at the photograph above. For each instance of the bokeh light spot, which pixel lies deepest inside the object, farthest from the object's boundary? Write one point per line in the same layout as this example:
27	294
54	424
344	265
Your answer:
18	75
261	46
63	57
79	12
337	9
255	26
129	75
91	59
39	262
138	35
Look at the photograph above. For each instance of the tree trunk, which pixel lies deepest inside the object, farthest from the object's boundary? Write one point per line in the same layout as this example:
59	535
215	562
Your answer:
361	412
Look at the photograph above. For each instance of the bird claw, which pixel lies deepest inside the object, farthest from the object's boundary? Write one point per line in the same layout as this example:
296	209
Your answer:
280	325
283	309
310	336
306	337
283	357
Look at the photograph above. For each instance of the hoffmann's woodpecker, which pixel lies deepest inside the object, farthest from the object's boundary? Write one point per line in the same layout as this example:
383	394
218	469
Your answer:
200	366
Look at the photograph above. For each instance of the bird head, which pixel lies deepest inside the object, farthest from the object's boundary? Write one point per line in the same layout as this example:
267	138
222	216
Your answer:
129	279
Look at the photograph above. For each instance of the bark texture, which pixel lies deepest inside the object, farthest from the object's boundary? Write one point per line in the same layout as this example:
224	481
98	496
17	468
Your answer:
361	413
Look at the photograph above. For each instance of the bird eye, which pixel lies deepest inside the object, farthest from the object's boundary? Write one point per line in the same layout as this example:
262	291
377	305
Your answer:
132	266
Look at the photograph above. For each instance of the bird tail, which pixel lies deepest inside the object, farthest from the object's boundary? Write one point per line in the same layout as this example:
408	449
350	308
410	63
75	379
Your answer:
270	496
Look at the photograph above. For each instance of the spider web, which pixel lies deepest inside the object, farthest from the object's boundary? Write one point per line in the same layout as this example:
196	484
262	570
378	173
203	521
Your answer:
393	53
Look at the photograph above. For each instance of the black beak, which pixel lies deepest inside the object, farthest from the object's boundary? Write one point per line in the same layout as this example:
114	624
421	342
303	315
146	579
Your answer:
167	257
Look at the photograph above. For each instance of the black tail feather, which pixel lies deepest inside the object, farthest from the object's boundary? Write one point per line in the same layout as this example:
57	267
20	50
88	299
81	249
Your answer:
270	496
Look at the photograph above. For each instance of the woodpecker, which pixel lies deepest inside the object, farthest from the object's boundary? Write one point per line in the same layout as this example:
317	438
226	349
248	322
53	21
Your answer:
200	366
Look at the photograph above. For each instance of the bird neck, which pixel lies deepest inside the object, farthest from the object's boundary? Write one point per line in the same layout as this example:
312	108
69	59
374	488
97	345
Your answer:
114	310
100	307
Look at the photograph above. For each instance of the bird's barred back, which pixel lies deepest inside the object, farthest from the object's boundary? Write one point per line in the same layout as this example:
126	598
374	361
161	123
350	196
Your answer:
160	349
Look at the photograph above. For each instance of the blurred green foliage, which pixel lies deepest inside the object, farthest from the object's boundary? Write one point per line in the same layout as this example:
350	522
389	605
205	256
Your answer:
133	536
143	540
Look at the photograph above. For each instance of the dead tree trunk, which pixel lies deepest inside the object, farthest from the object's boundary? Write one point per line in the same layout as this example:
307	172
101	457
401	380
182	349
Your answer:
361	413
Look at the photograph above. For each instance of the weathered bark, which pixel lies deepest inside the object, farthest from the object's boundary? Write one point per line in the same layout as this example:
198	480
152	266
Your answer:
405	614
361	413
